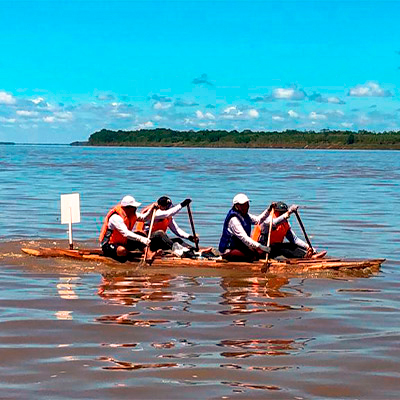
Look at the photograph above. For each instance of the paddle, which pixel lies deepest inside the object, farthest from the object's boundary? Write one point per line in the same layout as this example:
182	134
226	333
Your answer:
303	229
144	261
192	225
265	266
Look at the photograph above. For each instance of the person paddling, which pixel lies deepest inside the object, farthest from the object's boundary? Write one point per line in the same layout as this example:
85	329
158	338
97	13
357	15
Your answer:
294	247
117	237
235	243
164	219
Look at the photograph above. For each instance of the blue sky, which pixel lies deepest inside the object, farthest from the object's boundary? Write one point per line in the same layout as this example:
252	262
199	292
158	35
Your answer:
70	68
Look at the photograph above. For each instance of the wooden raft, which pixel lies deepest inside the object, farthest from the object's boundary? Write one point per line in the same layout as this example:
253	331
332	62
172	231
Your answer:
274	266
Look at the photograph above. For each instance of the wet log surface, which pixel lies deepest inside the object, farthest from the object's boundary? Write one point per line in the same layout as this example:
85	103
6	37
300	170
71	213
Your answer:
274	266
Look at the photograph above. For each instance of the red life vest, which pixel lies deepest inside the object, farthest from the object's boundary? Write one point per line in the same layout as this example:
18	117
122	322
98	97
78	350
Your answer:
278	232
116	237
160	225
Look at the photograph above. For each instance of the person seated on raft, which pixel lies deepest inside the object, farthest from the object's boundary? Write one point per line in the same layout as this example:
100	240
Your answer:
235	243
281	229
117	238
164	219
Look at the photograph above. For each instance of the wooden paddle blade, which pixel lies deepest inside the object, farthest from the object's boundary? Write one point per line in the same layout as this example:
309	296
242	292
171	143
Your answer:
265	267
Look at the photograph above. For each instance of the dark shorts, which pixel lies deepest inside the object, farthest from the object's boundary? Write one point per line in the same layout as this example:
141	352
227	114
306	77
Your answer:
287	250
160	240
110	250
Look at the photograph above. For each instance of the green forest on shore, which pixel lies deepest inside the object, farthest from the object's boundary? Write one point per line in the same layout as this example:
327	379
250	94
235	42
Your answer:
325	139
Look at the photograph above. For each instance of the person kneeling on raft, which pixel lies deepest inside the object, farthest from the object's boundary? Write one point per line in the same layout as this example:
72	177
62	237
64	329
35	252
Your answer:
281	230
164	220
235	243
117	238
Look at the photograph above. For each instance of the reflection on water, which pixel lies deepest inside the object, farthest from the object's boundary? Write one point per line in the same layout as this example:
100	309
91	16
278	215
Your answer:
230	333
64	315
250	386
123	365
80	330
66	287
257	347
253	294
238	295
130	290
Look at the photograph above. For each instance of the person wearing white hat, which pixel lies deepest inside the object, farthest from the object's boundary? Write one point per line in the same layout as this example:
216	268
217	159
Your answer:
117	237
235	243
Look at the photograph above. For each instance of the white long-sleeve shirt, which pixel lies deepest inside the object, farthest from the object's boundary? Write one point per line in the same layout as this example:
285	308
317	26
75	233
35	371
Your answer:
117	222
290	235
162	214
236	228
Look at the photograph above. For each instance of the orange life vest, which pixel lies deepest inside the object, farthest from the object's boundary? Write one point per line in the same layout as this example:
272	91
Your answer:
255	235
278	232
116	237
160	225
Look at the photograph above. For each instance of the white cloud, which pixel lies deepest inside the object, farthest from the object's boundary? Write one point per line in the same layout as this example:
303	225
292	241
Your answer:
203	79
105	97
161	106
232	111
281	93
253	113
61	116
6	98
26	113
315	116
49	120
207	115
293	114
335	113
145	125
278	118
288	94
319	98
8	120
334	100
206	124
123	115
347	124
64	116
188	121
369	89
38	100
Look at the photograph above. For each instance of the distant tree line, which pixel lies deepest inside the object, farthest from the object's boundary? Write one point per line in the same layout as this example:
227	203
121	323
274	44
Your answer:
221	138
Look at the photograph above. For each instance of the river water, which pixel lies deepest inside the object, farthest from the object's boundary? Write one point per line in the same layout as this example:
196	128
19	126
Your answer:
85	330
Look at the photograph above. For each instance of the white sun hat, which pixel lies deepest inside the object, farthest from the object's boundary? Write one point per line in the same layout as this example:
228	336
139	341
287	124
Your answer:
240	198
129	201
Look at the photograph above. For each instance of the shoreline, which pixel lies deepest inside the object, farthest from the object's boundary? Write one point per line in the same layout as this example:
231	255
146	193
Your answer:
289	139
276	147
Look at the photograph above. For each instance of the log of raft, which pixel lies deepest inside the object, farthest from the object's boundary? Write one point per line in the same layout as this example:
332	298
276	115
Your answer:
274	266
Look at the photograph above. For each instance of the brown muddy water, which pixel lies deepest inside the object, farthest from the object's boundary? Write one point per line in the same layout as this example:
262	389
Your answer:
82	330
